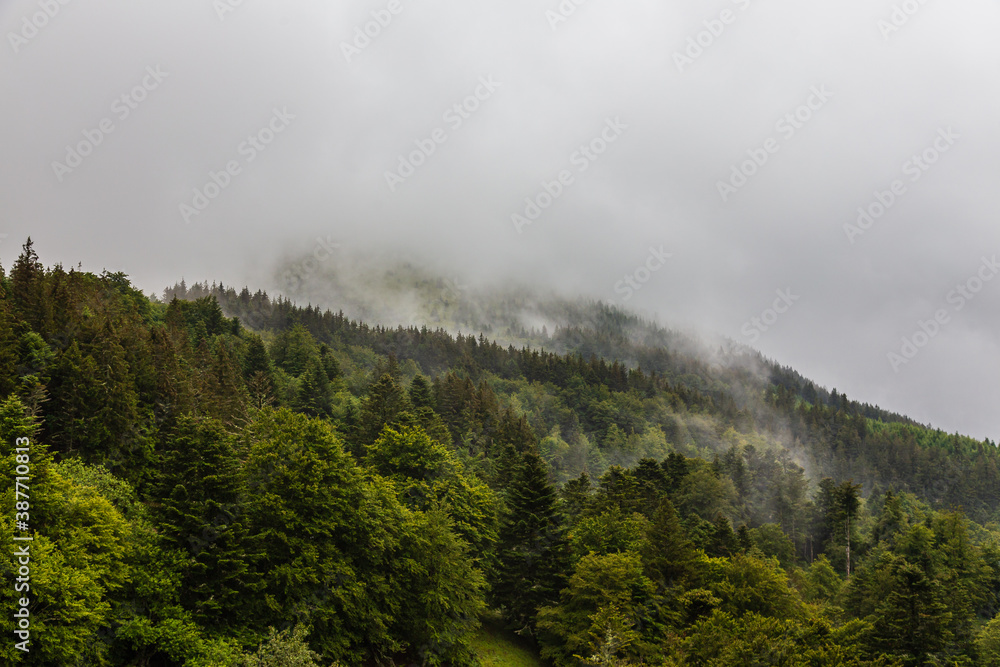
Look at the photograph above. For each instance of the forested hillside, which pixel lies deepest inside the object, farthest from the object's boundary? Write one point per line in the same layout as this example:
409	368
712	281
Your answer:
223	478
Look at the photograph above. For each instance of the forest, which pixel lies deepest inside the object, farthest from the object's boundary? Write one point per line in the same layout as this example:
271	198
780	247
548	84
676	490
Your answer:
222	478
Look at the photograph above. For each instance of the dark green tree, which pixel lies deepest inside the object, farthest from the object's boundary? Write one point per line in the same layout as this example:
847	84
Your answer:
912	619
201	512
532	549
381	407
669	558
421	394
313	395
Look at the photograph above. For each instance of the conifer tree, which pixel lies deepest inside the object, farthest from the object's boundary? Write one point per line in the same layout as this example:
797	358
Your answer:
669	556
382	407
912	618
8	342
313	396
576	497
329	362
532	550
255	360
27	286
200	511
420	393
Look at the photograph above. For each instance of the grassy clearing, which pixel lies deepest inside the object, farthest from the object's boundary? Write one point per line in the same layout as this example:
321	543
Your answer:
497	647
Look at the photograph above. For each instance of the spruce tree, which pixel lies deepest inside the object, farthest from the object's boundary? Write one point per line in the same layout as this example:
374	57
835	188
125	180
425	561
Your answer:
255	359
8	342
382	407
200	511
420	393
533	555
313	396
912	618
27	286
669	557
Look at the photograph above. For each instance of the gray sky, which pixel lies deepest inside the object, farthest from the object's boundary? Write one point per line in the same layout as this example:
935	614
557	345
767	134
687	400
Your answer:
113	113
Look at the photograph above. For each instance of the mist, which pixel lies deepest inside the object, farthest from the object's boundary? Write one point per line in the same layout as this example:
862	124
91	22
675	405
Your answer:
815	181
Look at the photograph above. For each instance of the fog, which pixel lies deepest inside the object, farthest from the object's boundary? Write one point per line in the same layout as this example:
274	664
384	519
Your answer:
701	162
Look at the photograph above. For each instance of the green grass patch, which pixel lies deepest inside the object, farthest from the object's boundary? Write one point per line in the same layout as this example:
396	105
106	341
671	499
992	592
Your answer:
497	647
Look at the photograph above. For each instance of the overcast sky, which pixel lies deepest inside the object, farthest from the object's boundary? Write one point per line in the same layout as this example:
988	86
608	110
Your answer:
639	117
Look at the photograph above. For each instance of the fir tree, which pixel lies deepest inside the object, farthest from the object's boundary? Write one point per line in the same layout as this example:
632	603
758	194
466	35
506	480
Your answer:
532	550
200	511
382	407
420	393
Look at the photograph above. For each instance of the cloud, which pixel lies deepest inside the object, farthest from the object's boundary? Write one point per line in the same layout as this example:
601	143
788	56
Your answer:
657	185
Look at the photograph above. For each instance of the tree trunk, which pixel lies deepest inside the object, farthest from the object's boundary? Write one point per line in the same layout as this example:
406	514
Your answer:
848	547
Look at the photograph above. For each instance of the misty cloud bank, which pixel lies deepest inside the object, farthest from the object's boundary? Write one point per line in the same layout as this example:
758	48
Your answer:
698	159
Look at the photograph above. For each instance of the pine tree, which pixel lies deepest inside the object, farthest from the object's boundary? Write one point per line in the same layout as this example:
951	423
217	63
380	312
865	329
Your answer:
576	497
891	519
848	500
381	408
513	439
292	350
532	550
723	541
27	287
255	360
420	393
230	399
8	343
669	556
912	618
200	511
329	362
313	396
75	392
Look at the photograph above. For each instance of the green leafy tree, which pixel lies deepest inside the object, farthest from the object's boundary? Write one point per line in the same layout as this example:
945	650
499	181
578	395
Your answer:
609	532
745	584
75	556
573	628
822	583
427	476
444	595
323	533
988	644
287	648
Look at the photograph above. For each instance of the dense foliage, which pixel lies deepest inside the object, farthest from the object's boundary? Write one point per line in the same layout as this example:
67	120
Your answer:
219	478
